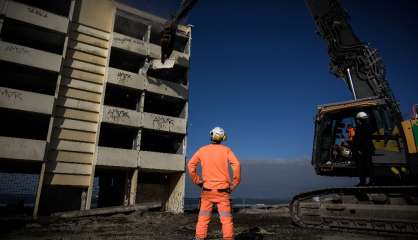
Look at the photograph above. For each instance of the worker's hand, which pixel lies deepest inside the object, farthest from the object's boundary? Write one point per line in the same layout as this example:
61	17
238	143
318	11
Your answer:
232	188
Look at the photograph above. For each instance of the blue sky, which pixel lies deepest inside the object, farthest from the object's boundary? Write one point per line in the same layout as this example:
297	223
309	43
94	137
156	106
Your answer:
258	69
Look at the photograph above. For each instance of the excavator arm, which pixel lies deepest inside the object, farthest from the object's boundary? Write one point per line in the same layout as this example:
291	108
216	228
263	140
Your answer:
352	60
168	35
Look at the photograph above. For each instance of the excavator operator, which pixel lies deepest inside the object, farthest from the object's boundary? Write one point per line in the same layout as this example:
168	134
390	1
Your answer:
215	183
363	148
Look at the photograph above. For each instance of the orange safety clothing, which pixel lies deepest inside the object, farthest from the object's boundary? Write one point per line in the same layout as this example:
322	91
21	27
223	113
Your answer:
215	183
223	204
214	160
351	132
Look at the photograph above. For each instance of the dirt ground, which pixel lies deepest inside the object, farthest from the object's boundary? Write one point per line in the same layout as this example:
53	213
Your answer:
158	225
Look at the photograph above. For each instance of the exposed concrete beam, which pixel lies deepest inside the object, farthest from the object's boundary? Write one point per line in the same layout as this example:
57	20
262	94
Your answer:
21	148
36	16
129	43
164	123
28	56
26	101
121	116
167	88
125	78
117	157
161	161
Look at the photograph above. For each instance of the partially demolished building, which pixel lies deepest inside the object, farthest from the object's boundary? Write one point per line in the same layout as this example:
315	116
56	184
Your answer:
83	112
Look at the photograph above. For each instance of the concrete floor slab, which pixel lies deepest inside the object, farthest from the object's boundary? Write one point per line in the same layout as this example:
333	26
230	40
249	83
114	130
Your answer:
26	101
117	157
20	148
125	78
161	161
28	56
36	16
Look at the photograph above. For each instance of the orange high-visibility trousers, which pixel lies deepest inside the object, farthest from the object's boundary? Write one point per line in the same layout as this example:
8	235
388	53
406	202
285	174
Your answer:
223	203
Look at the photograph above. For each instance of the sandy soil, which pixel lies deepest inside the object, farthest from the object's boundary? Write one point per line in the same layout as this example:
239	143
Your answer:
157	225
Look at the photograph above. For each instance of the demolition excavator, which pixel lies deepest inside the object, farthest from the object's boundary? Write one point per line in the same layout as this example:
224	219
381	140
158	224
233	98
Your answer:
391	204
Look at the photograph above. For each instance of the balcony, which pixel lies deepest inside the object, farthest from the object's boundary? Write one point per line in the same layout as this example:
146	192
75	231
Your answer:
121	116
129	44
164	123
36	16
20	148
126	79
26	101
117	157
161	161
167	88
28	56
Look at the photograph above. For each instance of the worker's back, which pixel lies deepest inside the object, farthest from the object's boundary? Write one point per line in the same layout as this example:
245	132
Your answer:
215	183
214	159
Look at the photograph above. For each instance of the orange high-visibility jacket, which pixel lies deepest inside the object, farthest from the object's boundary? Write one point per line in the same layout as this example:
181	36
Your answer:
351	132
214	159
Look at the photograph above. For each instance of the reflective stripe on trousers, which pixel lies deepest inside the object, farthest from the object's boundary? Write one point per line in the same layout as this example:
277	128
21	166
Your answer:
222	201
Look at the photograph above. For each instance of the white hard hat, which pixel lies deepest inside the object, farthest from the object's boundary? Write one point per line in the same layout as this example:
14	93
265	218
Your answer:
362	115
217	134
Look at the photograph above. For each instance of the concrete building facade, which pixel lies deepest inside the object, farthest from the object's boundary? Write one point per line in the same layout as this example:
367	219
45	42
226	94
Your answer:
83	109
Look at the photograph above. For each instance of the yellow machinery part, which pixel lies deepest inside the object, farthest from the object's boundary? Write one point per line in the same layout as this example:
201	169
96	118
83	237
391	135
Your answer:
409	136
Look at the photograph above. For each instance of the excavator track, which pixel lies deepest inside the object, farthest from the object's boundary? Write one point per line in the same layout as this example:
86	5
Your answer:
392	209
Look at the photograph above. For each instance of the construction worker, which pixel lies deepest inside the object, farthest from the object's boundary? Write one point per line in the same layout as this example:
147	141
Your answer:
215	183
351	131
363	148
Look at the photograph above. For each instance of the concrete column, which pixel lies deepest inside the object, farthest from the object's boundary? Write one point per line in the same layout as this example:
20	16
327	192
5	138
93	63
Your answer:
134	186
84	199
175	203
3	8
39	190
127	188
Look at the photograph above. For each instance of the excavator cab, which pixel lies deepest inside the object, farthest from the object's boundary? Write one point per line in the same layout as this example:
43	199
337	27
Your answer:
334	128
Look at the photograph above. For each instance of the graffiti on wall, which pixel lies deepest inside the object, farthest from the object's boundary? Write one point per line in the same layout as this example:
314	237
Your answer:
38	12
11	95
16	49
123	77
127	40
117	115
160	122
